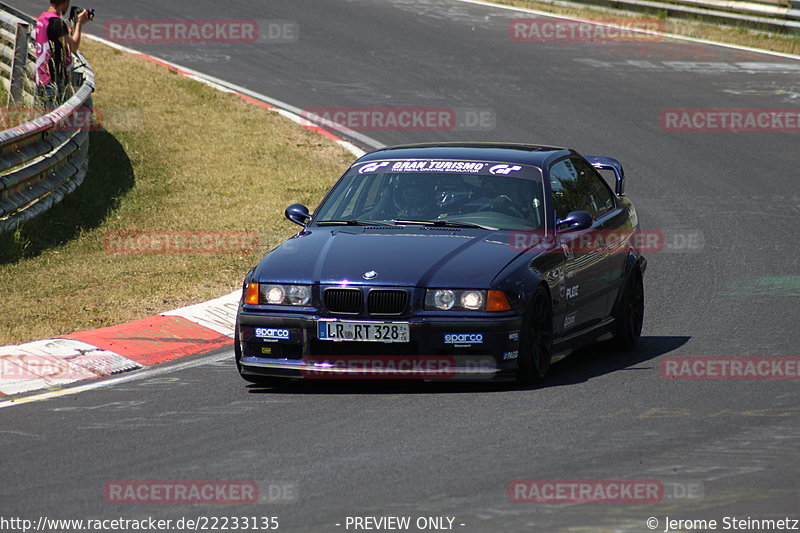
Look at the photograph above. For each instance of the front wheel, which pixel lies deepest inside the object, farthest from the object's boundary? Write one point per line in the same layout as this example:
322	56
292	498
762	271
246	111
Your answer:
630	314
536	342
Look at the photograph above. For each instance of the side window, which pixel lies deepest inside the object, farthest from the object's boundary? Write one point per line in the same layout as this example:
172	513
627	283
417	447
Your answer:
569	192
599	194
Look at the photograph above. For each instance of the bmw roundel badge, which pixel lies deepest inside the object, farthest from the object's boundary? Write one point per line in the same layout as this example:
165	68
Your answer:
370	275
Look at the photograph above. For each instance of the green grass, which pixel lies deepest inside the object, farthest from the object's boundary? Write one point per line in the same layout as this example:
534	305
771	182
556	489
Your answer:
185	158
3	106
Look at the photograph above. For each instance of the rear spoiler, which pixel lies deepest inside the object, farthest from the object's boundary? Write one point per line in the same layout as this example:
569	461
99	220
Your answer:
609	163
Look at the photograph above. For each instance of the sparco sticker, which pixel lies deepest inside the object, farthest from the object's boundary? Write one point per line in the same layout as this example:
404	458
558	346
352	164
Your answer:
463	338
272	333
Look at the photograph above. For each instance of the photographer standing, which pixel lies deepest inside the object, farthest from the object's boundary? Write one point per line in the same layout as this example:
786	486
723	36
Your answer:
55	44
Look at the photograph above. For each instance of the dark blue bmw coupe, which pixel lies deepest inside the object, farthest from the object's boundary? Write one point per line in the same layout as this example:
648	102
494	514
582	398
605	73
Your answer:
448	261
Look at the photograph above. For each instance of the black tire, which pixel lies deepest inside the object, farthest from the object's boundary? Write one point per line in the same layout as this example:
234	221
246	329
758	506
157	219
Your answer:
536	340
630	314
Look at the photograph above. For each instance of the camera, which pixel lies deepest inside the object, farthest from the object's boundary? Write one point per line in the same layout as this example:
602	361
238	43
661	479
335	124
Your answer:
74	11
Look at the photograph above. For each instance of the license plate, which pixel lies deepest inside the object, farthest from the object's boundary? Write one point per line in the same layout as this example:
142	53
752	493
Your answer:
342	330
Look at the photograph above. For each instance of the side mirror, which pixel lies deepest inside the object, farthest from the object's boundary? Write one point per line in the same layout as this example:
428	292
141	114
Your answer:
298	213
575	221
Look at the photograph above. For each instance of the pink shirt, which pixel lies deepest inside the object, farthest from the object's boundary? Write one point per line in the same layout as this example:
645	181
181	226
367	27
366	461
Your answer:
44	49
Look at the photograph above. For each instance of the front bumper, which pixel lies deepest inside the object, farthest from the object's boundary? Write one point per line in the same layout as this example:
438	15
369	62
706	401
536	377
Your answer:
489	352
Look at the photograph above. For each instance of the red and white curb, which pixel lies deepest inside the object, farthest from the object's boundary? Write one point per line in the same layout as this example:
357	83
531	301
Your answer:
196	329
103	352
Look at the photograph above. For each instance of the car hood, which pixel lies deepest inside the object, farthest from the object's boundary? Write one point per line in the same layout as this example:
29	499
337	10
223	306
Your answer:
401	256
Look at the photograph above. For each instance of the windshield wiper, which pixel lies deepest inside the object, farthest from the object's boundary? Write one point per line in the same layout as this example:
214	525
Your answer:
443	223
353	222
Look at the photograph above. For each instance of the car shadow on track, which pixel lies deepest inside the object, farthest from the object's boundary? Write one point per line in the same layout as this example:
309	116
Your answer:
579	367
601	358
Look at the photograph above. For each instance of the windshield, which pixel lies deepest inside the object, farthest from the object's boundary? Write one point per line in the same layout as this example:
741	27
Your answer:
466	193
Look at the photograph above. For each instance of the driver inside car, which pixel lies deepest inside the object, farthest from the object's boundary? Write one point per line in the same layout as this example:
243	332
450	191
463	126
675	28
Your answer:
510	197
415	197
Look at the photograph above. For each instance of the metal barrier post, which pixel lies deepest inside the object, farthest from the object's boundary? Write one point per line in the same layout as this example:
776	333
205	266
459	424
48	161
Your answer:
17	88
794	10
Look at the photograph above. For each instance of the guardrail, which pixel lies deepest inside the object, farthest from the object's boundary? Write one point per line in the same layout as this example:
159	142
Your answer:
772	15
42	160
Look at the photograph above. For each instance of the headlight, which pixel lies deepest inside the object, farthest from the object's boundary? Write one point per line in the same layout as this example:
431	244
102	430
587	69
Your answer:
444	299
299	294
454	300
466	300
472	300
274	294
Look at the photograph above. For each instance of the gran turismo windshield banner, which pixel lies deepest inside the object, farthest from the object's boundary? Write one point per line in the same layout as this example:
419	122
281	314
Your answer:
444	166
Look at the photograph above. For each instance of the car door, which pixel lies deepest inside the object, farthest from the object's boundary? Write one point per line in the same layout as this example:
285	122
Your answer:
613	232
587	265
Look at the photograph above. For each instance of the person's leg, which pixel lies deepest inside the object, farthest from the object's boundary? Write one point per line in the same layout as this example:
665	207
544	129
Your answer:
65	91
46	96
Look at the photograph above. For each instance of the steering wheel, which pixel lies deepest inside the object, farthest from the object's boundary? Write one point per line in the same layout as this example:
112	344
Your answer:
503	204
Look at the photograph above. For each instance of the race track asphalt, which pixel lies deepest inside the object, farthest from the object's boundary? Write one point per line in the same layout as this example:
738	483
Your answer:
451	450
